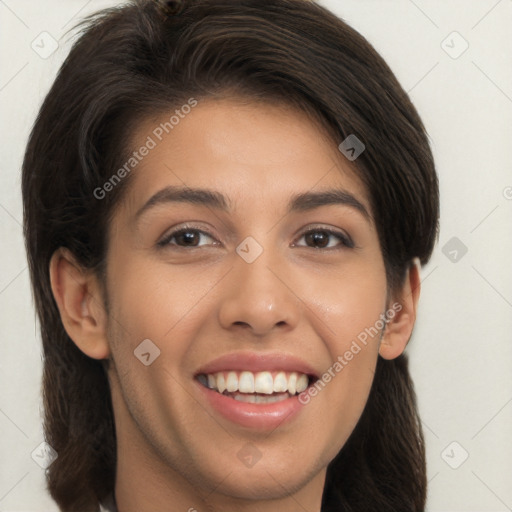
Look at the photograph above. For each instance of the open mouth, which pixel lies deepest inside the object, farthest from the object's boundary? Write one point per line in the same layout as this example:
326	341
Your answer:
257	387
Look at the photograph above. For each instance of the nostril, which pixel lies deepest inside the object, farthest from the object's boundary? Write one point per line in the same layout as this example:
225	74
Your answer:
244	324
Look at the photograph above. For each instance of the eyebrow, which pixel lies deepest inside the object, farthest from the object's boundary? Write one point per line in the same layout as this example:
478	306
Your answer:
298	203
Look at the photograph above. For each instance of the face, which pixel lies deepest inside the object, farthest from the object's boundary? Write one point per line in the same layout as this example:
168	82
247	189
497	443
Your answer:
245	254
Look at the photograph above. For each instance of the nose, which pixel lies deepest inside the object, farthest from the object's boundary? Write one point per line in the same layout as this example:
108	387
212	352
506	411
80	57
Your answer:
259	297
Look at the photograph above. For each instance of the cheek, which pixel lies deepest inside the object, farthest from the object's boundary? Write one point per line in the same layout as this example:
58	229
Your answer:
151	321
151	301
348	302
349	308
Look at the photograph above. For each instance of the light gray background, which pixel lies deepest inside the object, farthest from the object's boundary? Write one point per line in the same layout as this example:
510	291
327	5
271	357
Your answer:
460	353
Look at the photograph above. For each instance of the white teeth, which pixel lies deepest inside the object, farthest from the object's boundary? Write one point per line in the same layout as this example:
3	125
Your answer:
302	383
292	383
246	382
260	382
232	382
263	383
280	383
221	383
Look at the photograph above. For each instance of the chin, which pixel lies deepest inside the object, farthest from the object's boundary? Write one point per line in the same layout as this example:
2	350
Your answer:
263	481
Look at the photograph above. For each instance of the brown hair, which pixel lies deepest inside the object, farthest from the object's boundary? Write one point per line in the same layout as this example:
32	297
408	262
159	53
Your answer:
141	59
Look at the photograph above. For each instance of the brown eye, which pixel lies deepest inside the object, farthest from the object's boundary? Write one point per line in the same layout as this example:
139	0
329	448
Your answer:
322	238
318	238
186	237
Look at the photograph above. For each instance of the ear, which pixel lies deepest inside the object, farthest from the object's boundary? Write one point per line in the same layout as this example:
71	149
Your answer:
402	314
80	302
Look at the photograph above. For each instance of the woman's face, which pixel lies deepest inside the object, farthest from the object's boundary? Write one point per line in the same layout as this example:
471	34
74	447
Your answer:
244	243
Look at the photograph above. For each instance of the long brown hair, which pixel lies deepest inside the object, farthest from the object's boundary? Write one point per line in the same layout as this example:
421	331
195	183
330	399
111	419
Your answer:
141	59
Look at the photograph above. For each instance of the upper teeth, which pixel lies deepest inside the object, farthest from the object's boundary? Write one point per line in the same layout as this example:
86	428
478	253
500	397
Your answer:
260	382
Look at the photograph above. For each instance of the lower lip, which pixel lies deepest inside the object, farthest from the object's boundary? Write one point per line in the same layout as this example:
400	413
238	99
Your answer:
254	416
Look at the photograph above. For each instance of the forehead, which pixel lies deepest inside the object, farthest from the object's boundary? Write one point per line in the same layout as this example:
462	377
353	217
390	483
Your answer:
252	152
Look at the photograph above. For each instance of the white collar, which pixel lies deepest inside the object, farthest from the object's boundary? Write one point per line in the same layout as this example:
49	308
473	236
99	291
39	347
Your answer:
108	505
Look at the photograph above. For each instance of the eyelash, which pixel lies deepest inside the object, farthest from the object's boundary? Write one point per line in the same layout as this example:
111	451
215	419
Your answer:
346	241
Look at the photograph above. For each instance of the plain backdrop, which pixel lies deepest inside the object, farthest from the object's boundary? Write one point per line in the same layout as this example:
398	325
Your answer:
454	58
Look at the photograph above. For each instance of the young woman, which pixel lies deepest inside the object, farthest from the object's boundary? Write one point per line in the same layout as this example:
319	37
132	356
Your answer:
226	206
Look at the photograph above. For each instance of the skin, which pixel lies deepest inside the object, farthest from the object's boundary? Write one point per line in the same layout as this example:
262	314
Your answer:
198	303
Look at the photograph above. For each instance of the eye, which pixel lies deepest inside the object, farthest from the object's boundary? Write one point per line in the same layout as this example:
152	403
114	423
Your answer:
185	237
318	238
321	238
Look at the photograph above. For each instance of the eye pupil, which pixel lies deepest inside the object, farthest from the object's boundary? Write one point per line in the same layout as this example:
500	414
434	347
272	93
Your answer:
318	237
188	237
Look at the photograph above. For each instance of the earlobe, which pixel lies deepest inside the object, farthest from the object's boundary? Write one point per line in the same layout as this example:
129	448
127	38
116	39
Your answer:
402	315
80	302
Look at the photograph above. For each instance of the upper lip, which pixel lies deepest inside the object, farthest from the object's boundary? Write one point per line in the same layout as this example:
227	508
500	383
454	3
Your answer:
257	362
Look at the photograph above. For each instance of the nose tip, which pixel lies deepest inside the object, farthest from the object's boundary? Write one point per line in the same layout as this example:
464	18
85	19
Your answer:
256	299
264	323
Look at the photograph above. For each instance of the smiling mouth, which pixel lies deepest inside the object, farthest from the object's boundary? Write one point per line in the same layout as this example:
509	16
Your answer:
256	388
